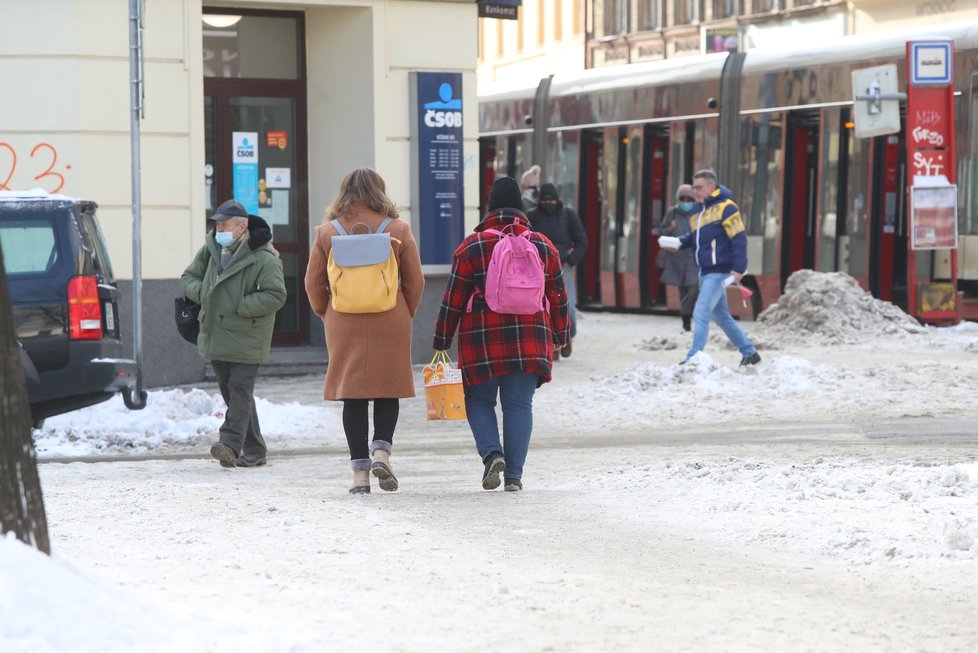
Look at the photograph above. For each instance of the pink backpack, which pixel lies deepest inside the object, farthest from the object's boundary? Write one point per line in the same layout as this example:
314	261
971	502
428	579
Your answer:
515	277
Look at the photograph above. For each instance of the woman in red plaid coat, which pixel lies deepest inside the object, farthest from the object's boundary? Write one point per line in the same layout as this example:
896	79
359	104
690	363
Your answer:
501	354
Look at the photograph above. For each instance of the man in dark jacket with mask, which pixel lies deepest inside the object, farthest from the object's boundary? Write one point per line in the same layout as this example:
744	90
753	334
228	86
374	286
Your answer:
564	229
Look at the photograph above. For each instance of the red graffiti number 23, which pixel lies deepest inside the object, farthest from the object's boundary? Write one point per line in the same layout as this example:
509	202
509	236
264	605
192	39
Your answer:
44	154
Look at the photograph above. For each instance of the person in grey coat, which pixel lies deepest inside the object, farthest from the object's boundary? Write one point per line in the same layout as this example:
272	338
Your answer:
679	268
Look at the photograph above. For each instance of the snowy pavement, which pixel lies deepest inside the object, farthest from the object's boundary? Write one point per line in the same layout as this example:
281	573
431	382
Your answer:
825	500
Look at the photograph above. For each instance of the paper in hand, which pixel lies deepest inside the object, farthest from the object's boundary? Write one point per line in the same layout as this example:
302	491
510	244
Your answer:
669	242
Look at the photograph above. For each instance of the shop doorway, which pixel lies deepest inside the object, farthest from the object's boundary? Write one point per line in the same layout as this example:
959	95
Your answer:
255	137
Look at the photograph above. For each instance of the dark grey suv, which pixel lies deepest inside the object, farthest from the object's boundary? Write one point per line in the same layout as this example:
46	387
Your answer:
65	302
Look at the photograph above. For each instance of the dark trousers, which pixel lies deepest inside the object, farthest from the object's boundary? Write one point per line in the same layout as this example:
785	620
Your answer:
240	429
687	299
357	426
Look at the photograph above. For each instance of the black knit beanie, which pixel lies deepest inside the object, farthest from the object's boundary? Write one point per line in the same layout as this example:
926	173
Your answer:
505	194
548	192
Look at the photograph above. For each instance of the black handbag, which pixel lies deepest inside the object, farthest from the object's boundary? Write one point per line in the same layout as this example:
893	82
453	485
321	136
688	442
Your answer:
186	312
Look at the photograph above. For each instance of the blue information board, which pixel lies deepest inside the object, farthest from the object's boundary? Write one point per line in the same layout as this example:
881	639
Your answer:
439	184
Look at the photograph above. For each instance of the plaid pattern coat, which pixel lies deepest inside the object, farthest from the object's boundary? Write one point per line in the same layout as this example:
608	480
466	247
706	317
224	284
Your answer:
494	344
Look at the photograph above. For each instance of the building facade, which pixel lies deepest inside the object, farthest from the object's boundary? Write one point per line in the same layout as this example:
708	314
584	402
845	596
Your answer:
548	37
312	89
553	36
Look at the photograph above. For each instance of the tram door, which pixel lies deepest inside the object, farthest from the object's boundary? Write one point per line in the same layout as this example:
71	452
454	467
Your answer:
655	194
592	213
621	220
487	171
885	257
798	237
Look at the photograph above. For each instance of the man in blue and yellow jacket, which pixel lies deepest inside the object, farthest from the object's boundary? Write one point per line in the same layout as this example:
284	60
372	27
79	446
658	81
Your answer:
719	243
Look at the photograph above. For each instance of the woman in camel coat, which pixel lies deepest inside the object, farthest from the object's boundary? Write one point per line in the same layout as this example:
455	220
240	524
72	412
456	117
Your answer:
369	353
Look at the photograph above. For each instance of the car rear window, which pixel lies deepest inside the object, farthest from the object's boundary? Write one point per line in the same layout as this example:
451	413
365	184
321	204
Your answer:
95	242
29	246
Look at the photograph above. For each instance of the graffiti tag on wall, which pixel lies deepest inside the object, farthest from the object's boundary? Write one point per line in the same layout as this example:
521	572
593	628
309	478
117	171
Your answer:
40	163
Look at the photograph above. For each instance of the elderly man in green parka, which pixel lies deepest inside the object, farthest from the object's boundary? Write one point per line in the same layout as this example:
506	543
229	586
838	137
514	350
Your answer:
237	279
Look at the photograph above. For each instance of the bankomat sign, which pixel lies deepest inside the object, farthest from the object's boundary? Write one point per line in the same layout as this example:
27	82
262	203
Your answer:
505	9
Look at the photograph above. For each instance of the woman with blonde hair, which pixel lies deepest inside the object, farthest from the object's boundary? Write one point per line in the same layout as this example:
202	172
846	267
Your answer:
369	353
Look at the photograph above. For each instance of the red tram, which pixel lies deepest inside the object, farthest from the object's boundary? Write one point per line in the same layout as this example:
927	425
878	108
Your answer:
777	128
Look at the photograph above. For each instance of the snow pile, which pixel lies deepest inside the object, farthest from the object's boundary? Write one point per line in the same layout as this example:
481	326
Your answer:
862	512
783	388
50	607
176	419
830	306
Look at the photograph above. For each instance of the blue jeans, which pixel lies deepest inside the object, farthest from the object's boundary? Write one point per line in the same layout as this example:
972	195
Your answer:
712	303
570	285
516	395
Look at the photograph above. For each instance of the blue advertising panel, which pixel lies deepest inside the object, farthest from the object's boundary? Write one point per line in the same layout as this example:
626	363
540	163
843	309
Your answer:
440	199
244	158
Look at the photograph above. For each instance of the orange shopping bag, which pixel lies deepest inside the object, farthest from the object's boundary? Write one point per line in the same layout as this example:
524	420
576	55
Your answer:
443	392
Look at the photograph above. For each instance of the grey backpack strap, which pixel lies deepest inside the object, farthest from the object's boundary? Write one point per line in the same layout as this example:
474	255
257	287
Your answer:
336	223
383	225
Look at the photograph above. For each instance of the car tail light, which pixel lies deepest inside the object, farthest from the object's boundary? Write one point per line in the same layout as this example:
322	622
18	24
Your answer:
84	309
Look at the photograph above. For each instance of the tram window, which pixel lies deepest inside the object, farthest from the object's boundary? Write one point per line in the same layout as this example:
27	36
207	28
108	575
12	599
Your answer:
828	200
760	175
968	175
857	205
631	227
563	158
677	162
609	221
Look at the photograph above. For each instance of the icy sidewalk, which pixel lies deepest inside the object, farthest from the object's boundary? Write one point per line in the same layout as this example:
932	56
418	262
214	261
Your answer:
623	378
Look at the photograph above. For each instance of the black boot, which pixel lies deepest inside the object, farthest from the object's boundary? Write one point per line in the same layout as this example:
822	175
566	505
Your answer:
686	323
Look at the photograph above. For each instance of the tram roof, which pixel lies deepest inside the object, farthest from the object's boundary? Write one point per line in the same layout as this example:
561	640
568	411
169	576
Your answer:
858	48
639	75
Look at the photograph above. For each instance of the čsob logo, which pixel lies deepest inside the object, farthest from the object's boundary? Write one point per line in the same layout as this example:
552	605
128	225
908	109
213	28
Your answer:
439	113
246	150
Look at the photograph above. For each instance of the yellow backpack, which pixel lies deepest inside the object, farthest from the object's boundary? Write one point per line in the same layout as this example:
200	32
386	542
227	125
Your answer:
362	270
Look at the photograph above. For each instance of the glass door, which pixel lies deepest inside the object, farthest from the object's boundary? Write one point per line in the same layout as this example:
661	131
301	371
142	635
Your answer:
255	141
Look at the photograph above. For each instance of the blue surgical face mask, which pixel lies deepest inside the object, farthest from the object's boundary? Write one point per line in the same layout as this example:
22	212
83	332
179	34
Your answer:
686	207
224	238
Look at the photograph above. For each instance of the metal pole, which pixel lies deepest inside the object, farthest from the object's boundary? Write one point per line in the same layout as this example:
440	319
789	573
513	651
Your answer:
136	400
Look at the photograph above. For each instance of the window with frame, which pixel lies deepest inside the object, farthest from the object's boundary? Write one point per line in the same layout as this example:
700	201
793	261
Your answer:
724	8
685	12
614	19
764	6
649	15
